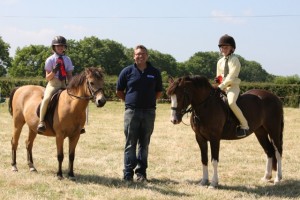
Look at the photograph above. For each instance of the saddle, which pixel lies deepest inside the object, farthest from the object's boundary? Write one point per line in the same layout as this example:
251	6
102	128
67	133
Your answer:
51	107
231	120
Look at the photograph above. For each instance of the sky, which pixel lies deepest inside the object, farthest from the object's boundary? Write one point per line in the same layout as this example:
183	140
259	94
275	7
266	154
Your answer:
265	31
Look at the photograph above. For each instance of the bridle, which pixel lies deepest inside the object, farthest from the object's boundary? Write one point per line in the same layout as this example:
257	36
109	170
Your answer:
93	91
186	99
190	109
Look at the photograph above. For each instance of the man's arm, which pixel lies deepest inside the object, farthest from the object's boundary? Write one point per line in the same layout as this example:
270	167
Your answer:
158	95
121	94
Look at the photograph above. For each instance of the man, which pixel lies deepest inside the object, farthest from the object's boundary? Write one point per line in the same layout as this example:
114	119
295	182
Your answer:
139	85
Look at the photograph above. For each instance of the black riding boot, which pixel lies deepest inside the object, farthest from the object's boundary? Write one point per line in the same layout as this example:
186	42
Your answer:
242	132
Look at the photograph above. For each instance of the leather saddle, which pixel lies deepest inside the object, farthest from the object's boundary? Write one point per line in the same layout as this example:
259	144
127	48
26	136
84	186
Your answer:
51	107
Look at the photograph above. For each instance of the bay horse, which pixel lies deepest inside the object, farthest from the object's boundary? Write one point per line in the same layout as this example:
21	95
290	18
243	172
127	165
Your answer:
212	121
68	118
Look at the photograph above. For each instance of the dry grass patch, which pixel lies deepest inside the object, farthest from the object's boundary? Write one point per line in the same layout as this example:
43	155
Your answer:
174	163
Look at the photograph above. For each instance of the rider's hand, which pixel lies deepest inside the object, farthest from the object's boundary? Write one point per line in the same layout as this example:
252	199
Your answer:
56	68
218	79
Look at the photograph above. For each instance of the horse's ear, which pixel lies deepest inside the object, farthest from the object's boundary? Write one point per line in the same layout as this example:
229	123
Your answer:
170	79
87	70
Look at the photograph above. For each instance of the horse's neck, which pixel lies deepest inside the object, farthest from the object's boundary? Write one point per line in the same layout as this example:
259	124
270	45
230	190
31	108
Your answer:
207	101
201	97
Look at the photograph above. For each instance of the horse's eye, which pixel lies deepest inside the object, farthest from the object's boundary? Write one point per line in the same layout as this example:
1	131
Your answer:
92	83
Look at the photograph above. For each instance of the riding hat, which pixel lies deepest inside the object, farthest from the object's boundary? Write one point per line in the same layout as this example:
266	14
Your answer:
227	40
59	40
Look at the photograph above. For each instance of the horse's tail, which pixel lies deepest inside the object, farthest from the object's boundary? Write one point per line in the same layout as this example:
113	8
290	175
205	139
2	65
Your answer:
11	96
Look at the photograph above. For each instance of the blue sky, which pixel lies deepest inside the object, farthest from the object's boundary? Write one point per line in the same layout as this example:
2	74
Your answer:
266	31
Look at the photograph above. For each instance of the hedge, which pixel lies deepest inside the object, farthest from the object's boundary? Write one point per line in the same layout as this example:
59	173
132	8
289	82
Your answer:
289	94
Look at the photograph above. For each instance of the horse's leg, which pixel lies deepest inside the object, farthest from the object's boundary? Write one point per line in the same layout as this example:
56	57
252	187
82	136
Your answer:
72	146
29	145
262	136
60	154
204	159
276	138
14	144
215	148
279	169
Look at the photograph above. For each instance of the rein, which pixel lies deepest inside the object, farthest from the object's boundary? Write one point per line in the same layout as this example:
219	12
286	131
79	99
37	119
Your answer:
190	108
92	91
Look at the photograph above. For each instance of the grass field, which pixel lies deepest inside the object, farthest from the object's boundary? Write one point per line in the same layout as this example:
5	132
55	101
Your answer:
174	163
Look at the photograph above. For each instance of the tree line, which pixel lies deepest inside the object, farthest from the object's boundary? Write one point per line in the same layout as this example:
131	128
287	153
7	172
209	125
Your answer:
113	57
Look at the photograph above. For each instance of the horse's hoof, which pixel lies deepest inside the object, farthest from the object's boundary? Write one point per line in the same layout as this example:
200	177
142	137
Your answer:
14	168
266	179
32	169
213	185
60	178
277	181
204	182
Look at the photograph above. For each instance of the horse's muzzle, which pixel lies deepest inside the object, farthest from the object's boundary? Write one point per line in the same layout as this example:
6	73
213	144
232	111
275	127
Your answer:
100	102
175	119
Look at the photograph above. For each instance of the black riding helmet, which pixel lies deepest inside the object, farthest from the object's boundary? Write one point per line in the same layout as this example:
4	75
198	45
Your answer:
59	40
227	40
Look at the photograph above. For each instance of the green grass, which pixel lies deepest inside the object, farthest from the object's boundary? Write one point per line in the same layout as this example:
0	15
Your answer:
174	163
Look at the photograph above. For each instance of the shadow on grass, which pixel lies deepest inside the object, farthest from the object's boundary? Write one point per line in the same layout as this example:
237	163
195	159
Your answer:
163	186
289	189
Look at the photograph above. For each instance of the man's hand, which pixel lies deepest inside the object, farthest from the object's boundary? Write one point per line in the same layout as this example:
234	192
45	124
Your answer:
56	68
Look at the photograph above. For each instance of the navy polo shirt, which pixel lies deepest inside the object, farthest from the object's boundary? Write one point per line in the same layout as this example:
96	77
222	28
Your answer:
140	87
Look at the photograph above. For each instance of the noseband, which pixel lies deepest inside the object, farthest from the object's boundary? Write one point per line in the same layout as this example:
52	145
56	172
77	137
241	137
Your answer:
92	90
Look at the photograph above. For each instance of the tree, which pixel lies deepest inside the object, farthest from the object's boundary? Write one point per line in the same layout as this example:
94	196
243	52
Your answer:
202	63
30	61
164	62
85	53
113	57
5	60
205	63
252	71
92	51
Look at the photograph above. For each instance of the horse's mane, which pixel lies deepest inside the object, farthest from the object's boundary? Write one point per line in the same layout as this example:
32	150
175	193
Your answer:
197	80
79	79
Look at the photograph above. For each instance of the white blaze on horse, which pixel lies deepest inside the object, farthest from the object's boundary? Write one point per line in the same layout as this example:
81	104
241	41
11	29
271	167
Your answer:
68	118
212	121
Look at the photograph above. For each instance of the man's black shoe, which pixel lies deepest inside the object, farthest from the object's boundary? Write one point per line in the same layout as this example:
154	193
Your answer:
141	178
128	179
